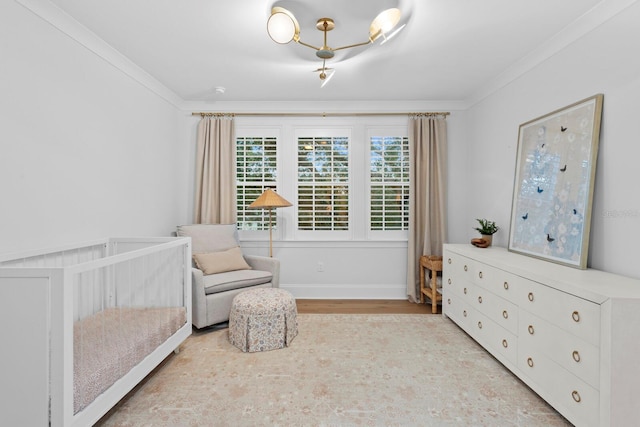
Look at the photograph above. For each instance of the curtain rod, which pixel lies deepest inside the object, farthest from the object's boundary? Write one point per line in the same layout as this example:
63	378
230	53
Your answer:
205	114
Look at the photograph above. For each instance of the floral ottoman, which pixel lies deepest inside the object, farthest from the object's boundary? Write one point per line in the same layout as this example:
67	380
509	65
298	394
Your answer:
263	319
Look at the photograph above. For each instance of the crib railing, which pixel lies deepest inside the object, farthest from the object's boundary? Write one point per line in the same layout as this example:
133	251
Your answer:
59	257
151	280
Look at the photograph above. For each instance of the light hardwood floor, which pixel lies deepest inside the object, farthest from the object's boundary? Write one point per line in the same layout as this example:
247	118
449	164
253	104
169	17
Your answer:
359	306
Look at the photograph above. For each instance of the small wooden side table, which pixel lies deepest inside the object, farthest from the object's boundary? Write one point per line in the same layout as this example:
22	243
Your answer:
433	263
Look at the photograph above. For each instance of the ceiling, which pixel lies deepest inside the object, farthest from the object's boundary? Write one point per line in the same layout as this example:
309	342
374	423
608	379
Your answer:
448	51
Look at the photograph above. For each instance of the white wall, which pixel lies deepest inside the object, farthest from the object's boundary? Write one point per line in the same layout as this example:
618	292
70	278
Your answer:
605	60
86	151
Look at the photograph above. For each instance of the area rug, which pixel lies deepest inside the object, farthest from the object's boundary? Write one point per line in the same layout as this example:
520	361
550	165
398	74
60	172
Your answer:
341	370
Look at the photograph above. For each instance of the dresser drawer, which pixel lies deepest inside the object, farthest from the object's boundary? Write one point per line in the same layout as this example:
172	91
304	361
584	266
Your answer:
456	309
457	275
467	290
454	284
495	280
497	309
458	266
490	335
575	315
572	397
572	353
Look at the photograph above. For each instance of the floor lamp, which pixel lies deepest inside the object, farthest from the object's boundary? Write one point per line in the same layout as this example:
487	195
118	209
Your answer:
269	200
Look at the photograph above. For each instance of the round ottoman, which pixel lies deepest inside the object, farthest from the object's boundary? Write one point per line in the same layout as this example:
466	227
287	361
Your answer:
263	319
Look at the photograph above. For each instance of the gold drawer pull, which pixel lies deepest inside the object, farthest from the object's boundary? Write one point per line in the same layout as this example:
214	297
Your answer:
480	325
576	396
505	314
449	301
465	291
505	344
530	362
576	355
480	299
530	329
575	316
449	280
464	313
465	268
530	296
480	274
506	286
449	260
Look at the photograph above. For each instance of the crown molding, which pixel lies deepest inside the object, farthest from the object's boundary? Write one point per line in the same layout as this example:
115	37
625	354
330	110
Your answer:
592	19
63	22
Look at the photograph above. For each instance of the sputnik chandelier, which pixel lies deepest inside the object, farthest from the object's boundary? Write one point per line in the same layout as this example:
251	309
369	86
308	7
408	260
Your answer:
283	27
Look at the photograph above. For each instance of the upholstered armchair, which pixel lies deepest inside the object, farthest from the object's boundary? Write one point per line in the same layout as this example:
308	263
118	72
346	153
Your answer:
221	271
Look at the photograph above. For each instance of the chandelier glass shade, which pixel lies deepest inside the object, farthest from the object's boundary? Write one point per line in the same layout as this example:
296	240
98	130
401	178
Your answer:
283	28
384	23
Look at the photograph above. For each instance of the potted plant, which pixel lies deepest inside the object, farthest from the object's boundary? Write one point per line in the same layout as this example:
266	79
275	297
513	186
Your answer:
487	229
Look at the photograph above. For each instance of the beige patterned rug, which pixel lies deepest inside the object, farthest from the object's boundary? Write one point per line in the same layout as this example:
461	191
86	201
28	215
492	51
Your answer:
341	370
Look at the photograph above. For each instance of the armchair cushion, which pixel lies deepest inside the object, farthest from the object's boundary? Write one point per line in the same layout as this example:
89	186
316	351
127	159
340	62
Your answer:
230	280
221	262
206	238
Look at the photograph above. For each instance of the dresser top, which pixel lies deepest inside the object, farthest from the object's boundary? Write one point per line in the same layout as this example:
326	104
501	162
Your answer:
594	285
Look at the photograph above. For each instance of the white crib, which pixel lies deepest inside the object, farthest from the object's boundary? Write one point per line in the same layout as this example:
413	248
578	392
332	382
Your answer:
82	325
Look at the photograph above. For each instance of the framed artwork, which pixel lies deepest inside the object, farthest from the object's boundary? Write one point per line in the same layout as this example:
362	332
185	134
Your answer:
553	186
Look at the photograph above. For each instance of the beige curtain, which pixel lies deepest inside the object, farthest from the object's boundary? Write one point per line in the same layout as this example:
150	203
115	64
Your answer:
215	197
427	194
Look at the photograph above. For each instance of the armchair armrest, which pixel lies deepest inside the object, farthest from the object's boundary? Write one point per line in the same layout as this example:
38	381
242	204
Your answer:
266	264
199	306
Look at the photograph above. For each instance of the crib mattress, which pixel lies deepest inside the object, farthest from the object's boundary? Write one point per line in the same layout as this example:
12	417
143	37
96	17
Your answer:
108	344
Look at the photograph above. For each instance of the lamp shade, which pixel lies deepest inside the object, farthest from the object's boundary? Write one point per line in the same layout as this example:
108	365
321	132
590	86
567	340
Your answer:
269	199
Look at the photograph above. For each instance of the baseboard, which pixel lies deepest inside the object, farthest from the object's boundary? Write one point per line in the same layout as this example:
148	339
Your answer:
346	291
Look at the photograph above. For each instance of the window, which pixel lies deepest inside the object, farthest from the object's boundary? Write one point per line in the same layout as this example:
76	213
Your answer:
347	178
389	183
323	183
256	160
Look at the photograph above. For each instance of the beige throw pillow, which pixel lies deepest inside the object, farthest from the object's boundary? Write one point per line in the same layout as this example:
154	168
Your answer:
220	262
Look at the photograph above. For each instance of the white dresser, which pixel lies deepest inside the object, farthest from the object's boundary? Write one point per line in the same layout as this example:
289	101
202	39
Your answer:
571	335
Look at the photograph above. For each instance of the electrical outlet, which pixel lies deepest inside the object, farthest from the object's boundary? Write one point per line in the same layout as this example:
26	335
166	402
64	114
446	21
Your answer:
320	267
